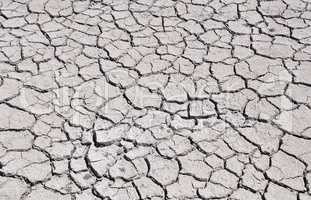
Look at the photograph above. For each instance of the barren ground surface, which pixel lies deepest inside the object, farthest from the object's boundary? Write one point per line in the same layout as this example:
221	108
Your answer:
155	99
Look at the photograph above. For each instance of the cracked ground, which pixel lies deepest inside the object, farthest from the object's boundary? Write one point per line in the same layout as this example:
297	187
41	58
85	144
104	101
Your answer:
155	99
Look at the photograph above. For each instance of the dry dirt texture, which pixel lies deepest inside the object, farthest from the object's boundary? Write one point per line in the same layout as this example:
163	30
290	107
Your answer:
155	99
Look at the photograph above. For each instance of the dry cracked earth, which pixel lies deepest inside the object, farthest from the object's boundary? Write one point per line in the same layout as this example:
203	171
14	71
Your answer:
155	99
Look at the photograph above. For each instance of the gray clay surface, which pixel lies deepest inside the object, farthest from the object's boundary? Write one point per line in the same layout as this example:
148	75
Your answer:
155	99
